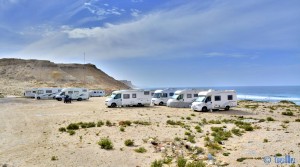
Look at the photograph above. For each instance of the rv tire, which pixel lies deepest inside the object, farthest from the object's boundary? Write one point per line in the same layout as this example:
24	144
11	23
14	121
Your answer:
161	103
79	99
204	109
113	105
38	98
227	108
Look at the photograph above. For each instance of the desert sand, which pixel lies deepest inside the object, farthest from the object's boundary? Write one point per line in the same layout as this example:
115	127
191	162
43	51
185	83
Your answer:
30	136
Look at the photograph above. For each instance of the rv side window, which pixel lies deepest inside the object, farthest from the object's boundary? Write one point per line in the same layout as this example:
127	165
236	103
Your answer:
40	92
195	95
84	90
165	95
48	91
76	92
70	92
59	90
134	95
62	93
152	94
189	95
95	92
171	94
126	96
229	97
28	92
146	93
208	99
34	92
217	98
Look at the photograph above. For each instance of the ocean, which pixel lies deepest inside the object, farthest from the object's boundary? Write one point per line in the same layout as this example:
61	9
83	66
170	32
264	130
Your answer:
260	93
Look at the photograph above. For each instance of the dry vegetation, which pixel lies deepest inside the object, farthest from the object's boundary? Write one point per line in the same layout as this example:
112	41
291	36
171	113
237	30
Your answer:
54	134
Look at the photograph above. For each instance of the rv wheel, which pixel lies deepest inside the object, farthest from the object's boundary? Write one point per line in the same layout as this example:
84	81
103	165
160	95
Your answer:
204	109
38	98
227	108
113	105
161	103
79	99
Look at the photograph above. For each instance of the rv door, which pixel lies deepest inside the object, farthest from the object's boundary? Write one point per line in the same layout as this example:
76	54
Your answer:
208	102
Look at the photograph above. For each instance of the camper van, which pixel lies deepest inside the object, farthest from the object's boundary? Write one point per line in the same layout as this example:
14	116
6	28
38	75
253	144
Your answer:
97	93
213	99
183	98
74	93
161	97
46	93
30	93
129	98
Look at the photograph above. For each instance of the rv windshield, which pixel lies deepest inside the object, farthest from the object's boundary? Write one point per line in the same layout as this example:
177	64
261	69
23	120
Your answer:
113	95
200	99
175	96
157	95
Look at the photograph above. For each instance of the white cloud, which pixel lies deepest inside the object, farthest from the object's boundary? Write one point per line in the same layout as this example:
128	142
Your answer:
135	12
184	31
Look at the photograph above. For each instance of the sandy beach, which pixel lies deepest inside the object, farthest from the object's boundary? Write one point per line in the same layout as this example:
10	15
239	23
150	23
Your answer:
30	136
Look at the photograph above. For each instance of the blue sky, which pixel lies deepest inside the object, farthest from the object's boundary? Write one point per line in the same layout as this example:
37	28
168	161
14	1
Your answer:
161	43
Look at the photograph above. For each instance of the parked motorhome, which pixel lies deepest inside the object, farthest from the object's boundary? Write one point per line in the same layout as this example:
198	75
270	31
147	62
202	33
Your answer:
74	93
97	93
213	99
47	93
122	98
183	98
30	93
161	97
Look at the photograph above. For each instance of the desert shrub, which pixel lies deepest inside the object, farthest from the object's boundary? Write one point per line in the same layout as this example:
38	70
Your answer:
71	132
108	123
106	143
287	102
286	121
198	129
187	133
278	154
236	131
129	142
125	123
226	154
288	113
214	122
140	150
213	145
191	139
72	126
196	164
248	127
241	159
62	129
100	123
177	139
193	115
188	118
122	129
270	119
171	122
219	134
142	123
261	120
251	106
199	150
167	160
204	121
53	158
297	120
87	124
181	162
157	163
266	140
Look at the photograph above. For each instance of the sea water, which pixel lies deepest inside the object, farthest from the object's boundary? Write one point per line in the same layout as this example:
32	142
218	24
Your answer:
259	93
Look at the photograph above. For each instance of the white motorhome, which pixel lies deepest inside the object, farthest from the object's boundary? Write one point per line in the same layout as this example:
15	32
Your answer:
47	93
183	98
30	93
122	98
161	97
74	93
213	99
97	93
